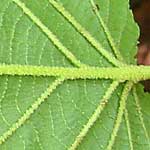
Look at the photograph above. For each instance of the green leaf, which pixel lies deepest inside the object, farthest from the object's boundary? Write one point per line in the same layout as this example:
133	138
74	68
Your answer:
66	79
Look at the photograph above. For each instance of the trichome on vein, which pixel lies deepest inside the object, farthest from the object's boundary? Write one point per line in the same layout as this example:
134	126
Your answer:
132	73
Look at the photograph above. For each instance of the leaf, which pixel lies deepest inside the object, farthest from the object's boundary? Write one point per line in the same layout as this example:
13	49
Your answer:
66	82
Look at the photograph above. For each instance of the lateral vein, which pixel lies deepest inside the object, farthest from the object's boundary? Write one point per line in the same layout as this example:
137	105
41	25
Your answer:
141	115
121	110
30	111
107	32
85	33
49	34
128	129
94	116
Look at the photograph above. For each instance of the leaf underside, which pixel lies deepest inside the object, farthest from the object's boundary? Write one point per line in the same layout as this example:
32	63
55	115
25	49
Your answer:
52	113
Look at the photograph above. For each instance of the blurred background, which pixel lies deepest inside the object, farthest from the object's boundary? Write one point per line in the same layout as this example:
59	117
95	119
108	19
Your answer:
141	12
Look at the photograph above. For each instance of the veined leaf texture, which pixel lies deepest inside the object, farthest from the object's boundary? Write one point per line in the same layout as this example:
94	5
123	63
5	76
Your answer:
57	112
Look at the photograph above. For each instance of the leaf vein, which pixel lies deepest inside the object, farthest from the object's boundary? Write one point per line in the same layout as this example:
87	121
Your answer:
1	100
107	32
53	129
141	115
49	34
85	33
30	111
3	13
12	38
121	109
94	116
128	128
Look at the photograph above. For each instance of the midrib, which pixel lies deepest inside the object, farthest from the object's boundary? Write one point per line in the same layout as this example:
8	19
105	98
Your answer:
132	73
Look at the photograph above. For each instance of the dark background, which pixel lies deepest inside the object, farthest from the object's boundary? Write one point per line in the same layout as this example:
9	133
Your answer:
141	11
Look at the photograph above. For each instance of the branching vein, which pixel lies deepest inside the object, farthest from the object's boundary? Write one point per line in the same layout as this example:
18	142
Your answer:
85	33
109	37
95	115
121	72
30	111
118	121
141	115
49	34
134	73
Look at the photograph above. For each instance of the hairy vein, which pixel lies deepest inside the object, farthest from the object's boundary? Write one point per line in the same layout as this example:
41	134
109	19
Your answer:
128	129
95	115
118	121
49	34
108	35
134	73
30	111
85	33
141	115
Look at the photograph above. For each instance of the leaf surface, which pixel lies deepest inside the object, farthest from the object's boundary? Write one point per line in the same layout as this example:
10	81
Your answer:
54	113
